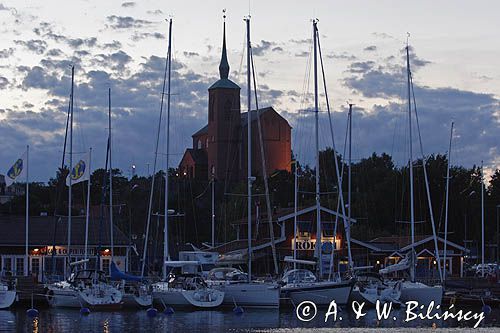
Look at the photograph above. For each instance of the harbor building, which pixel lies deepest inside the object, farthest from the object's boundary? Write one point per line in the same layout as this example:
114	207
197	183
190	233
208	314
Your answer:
48	246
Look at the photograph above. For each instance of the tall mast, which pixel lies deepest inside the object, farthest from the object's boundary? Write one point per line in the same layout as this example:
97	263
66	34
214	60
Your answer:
150	204
87	210
26	250
295	204
166	255
111	237
212	184
70	162
316	134
447	203
349	179
249	152
482	220
412	207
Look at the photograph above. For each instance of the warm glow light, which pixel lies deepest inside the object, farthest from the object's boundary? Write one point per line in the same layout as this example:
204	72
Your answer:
36	250
106	251
434	262
378	262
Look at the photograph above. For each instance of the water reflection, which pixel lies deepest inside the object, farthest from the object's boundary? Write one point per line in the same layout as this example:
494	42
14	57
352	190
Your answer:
67	320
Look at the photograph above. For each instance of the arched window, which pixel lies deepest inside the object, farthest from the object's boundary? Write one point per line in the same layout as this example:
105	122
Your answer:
199	144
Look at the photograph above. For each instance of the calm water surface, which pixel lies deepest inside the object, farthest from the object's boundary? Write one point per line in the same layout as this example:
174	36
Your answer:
67	320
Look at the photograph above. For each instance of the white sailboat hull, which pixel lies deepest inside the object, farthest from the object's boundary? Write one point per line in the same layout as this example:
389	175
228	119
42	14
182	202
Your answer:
321	293
200	298
7	298
63	297
423	294
249	294
135	301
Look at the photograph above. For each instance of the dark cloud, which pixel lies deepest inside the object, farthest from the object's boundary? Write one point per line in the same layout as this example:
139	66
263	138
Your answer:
191	54
36	45
155	12
3	82
5	53
302	54
370	48
262	47
361	66
144	35
135	104
126	22
54	53
115	61
114	45
341	56
128	4
301	41
382	35
277	49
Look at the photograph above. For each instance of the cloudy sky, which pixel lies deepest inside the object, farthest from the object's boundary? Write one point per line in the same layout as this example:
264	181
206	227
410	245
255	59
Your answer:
120	45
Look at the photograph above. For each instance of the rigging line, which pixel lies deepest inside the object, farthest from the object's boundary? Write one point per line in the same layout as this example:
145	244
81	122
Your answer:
426	178
154	168
347	224
264	168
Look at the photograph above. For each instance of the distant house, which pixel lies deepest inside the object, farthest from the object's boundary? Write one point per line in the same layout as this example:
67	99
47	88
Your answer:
220	148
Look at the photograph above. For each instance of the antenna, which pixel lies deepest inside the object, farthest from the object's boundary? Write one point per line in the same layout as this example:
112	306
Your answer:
224	14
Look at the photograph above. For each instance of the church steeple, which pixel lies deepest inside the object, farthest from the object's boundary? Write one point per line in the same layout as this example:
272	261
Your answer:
224	65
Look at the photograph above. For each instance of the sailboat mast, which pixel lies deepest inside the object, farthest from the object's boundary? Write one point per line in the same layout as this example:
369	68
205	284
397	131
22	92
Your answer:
249	153
412	207
26	222
447	203
482	220
87	210
70	161
111	236
212	184
295	204
349	183
166	255
316	135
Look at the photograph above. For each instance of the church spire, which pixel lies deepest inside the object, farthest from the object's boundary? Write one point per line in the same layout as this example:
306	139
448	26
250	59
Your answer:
224	65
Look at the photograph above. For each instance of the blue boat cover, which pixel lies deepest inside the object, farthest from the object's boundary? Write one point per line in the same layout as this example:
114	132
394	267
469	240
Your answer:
116	274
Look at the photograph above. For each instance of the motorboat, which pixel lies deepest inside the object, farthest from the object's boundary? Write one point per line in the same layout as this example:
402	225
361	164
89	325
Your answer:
239	292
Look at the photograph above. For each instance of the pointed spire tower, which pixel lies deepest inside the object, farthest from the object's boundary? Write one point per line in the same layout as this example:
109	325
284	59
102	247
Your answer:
224	65
224	119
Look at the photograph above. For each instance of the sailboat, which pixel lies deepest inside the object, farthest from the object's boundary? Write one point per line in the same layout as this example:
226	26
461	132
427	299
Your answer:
238	287
179	290
413	290
7	294
301	284
85	287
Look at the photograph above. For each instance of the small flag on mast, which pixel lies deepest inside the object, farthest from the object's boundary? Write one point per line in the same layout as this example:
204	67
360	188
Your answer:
17	171
80	171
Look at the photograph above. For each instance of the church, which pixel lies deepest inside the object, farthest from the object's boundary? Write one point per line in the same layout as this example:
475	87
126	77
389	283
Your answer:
220	148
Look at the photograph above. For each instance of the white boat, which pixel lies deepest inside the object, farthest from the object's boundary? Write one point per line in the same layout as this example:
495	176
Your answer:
421	293
136	294
7	295
370	288
186	290
301	285
86	288
239	292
